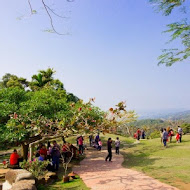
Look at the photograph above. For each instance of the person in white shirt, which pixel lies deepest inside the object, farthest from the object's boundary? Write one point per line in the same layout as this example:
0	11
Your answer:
180	131
117	145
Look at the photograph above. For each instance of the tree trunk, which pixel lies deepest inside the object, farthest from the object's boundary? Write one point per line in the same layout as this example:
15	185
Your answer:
24	151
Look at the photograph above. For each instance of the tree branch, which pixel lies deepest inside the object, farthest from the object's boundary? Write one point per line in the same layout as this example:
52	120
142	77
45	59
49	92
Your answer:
30	7
54	12
51	20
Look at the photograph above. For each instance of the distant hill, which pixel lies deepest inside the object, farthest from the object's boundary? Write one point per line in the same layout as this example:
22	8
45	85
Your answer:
185	116
181	115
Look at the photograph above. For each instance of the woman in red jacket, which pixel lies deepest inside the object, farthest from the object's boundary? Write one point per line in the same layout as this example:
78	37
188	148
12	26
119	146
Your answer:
14	158
43	151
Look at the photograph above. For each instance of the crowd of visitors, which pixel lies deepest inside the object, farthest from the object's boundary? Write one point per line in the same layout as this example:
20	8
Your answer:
167	134
140	134
53	153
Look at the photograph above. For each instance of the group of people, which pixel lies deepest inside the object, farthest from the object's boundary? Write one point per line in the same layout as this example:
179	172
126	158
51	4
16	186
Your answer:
53	153
168	134
140	134
109	148
95	142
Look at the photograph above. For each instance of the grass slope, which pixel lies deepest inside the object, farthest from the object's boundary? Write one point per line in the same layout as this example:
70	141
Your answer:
170	165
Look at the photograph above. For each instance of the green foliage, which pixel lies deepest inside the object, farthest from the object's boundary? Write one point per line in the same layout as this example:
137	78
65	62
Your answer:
9	80
45	79
155	134
149	126
47	109
47	102
37	168
167	6
186	127
10	100
179	29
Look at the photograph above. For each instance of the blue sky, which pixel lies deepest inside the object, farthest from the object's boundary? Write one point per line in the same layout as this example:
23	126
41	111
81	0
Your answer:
111	52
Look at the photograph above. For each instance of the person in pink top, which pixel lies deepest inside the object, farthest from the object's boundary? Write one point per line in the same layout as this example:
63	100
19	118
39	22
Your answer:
99	145
80	143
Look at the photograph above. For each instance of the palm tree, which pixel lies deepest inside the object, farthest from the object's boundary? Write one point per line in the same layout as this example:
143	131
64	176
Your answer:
44	79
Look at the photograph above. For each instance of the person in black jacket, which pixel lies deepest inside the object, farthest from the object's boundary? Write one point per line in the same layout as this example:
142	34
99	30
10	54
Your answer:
109	146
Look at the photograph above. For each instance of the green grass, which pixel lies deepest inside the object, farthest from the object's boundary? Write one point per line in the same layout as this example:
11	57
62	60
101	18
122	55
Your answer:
76	184
169	165
125	141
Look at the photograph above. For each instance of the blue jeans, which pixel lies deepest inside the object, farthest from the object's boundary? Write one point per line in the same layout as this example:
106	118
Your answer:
164	141
81	149
55	160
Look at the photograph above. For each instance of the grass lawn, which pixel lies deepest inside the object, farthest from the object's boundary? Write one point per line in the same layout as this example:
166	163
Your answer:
125	141
170	165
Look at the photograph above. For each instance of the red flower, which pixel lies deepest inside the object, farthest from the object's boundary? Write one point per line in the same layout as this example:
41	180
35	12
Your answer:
4	162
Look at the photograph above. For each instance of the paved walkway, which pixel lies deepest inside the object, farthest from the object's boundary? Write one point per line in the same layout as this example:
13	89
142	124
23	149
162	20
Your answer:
101	175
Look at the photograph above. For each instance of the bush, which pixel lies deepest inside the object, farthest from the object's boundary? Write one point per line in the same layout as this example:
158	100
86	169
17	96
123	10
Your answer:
155	134
186	127
37	168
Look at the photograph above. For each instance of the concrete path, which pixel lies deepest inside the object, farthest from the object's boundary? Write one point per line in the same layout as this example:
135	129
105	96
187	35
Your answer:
98	174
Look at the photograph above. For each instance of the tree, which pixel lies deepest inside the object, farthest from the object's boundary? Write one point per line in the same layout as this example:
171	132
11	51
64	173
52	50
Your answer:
186	128
9	80
117	119
180	30
10	100
45	79
49	110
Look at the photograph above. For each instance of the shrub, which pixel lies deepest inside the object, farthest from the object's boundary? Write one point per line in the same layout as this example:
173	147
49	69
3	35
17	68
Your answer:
37	168
186	128
155	134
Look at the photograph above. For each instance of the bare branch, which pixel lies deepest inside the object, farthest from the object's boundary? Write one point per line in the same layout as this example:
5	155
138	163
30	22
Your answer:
55	13
30	7
51	20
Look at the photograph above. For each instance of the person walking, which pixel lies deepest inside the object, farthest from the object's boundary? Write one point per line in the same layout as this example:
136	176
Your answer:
80	143
143	134
109	146
138	134
165	137
180	131
161	135
97	138
90	140
55	155
117	145
171	134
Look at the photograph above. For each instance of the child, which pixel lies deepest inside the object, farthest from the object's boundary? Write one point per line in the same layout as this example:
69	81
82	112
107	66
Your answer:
41	157
99	145
117	145
177	137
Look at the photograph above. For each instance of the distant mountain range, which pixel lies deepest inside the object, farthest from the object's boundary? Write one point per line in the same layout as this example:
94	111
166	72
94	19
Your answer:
165	115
